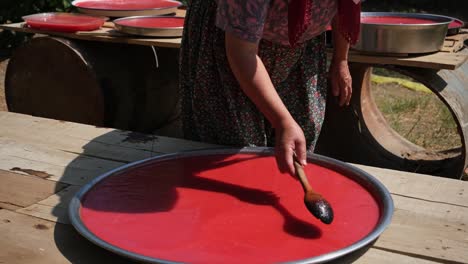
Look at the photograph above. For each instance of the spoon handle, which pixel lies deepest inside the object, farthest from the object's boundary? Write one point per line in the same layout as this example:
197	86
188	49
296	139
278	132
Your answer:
302	176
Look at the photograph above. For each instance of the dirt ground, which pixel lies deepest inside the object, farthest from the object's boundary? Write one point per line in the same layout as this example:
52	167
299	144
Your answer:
420	117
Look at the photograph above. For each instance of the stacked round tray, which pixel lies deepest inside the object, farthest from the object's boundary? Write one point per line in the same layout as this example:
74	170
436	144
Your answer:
143	17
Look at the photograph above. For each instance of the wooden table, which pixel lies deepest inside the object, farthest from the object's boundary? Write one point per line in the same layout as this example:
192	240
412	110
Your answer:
43	162
447	59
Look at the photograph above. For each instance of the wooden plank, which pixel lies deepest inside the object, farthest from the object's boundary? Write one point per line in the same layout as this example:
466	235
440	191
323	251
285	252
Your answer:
456	42
28	240
451	45
54	208
462	36
17	191
112	144
439	60
383	256
434	230
103	34
420	186
54	165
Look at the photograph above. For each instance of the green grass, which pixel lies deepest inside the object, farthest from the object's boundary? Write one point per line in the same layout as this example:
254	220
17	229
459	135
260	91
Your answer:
420	117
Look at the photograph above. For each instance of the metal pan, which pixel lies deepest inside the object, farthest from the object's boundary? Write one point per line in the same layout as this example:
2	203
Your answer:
372	185
108	12
402	38
153	31
455	26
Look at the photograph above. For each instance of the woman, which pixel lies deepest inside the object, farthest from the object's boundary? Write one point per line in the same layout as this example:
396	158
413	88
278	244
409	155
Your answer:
253	72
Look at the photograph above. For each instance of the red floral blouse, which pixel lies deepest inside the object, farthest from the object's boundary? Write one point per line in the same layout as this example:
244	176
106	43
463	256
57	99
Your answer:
253	20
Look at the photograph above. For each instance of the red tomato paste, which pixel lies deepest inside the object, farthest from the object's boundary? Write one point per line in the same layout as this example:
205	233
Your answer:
225	209
395	20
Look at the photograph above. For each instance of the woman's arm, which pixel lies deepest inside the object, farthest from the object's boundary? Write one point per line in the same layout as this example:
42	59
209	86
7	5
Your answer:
340	78
255	81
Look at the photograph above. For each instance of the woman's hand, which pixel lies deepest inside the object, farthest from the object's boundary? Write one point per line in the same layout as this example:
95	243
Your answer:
339	76
289	140
340	79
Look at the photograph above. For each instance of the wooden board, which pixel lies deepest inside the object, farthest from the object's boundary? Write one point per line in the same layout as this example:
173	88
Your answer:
456	42
54	208
420	186
439	60
29	240
105	143
18	191
104	34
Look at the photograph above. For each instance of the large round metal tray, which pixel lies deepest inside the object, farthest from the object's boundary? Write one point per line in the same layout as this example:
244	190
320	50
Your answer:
402	38
113	10
110	184
154	29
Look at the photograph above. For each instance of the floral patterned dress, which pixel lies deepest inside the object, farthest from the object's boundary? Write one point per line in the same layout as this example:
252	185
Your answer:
214	107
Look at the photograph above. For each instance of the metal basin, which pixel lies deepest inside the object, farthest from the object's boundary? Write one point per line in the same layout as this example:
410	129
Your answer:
229	206
394	37
152	30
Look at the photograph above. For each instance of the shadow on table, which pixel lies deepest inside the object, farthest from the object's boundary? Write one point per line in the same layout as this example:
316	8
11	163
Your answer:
77	249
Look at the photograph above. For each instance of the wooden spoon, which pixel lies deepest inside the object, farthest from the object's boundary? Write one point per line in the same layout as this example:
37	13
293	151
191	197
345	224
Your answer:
315	203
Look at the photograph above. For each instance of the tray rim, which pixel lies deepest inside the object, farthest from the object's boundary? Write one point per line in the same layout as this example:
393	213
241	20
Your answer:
127	12
104	18
411	15
149	31
385	201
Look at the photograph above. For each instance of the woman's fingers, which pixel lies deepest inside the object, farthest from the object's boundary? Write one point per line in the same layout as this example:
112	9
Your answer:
290	141
345	91
341	82
301	153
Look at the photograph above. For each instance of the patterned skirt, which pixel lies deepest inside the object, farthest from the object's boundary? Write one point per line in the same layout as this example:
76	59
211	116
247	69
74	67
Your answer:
216	110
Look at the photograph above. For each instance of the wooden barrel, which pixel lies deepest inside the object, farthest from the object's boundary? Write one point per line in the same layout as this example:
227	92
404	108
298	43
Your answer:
102	84
360	134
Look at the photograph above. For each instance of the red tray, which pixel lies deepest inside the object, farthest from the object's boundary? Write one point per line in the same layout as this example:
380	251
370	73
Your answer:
228	206
119	8
455	26
64	22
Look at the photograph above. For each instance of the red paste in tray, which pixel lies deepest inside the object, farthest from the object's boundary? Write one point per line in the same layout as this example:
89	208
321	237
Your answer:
225	209
396	20
64	22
